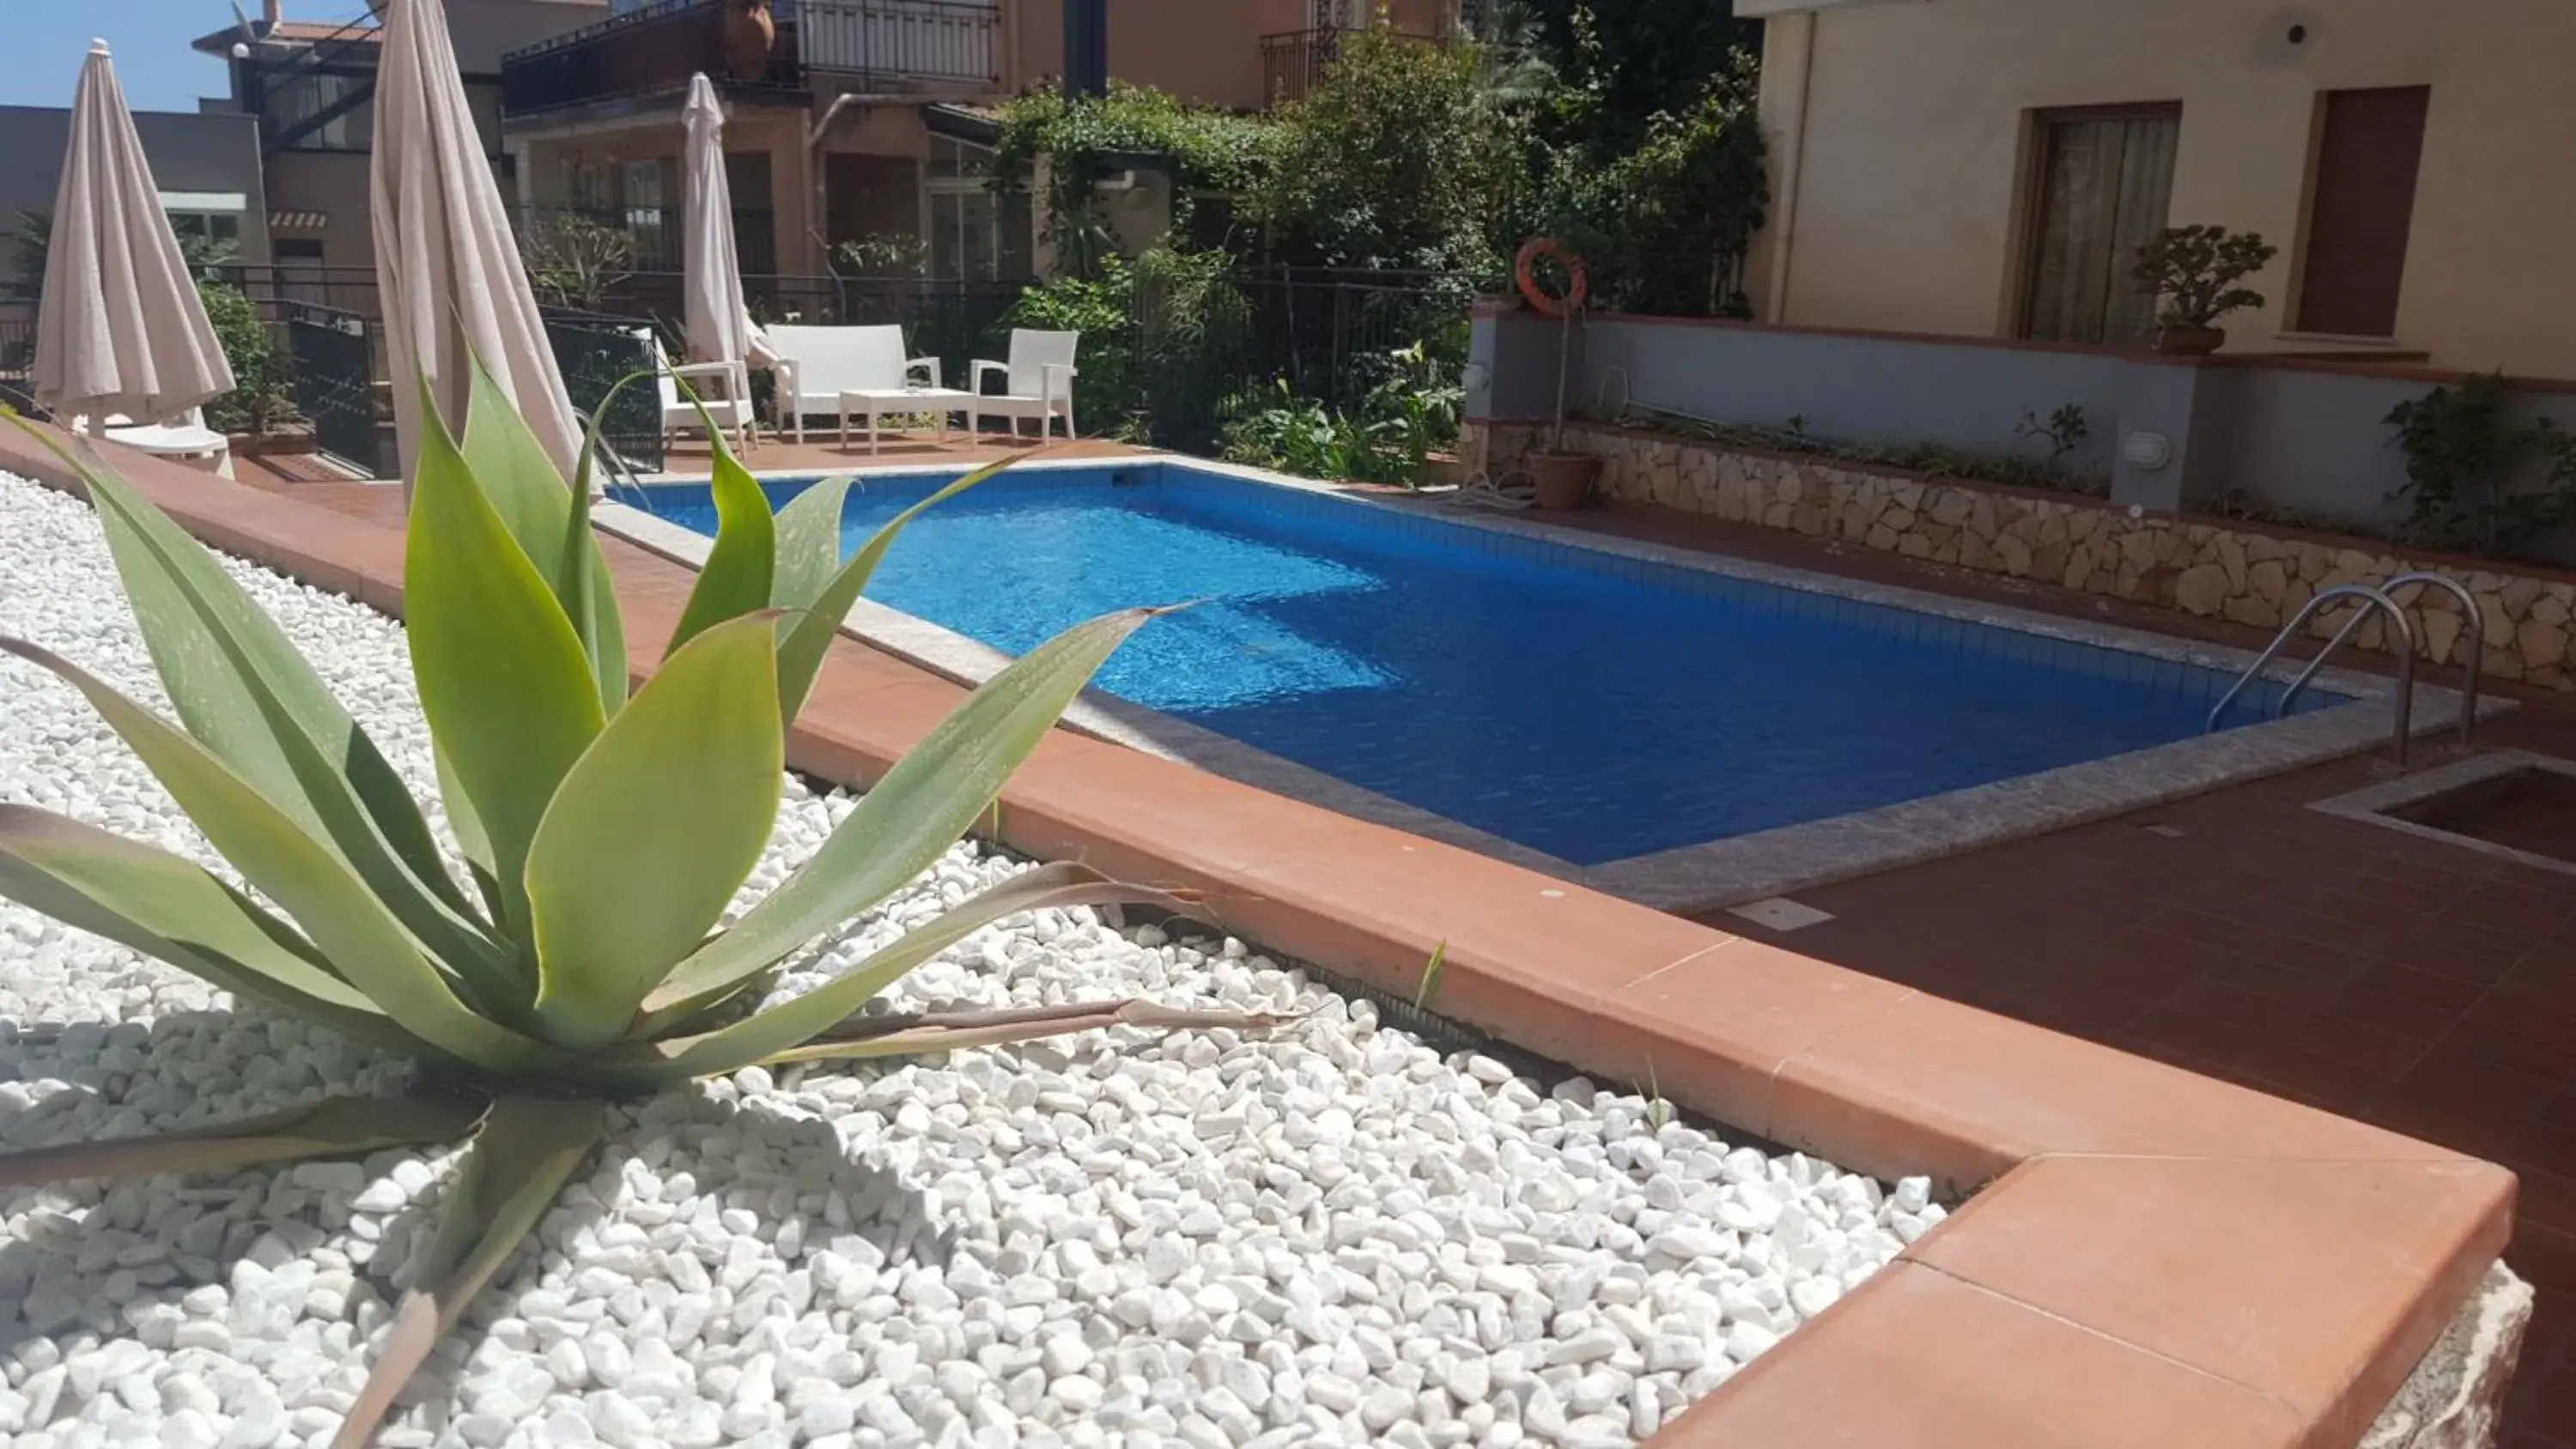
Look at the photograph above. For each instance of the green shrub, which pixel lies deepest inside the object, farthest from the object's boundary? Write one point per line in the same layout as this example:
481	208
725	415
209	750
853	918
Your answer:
2461	458
262	395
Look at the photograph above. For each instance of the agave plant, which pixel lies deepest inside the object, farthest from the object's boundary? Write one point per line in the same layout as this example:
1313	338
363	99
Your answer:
603	836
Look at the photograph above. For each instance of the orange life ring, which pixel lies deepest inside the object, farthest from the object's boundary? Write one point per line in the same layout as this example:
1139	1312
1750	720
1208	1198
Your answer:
1548	247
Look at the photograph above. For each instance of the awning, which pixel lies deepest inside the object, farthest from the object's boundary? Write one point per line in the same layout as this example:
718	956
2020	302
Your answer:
204	201
298	220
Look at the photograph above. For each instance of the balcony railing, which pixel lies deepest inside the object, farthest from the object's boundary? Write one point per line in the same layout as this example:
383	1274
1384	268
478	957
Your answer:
902	40
643	52
1293	62
653	234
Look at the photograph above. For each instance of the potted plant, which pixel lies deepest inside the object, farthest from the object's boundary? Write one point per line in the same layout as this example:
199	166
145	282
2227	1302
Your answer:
2199	271
1563	480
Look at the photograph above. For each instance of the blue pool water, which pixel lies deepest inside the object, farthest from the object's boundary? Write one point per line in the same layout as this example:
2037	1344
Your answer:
1589	706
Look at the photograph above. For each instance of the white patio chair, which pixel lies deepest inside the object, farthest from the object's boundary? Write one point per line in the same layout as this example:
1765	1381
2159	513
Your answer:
818	364
727	400
1037	383
186	438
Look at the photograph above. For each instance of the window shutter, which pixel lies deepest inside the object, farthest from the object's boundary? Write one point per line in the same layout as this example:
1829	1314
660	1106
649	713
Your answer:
2360	211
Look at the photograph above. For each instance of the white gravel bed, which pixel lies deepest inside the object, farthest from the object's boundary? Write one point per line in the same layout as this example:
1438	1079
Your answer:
1334	1236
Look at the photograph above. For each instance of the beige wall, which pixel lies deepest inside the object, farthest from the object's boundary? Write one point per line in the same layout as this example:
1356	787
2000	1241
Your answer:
1899	194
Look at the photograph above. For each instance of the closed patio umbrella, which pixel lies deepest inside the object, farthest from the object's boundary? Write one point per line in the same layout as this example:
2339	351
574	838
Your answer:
120	329
448	269
719	323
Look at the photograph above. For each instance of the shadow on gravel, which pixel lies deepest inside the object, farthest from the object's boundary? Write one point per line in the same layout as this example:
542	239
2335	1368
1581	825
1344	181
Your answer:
117	1259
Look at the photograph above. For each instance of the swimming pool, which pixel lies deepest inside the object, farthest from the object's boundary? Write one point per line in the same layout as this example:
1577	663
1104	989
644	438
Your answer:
1593	706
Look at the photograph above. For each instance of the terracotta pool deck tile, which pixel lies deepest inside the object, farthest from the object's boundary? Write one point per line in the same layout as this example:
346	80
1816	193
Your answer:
1715	1029
1966	1095
1920	1359
2138	1248
1527	955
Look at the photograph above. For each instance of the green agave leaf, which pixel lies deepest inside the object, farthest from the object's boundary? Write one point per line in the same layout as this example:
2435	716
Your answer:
916	811
654	829
243	690
332	1127
365	945
809	634
176	911
550	521
792	1023
595	617
512	468
735	579
511	695
528	1149
809	543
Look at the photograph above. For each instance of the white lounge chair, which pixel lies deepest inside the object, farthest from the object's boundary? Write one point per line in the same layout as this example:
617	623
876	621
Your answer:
1037	383
723	387
818	364
186	438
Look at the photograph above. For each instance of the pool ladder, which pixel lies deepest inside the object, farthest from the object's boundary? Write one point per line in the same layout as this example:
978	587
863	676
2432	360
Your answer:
2379	598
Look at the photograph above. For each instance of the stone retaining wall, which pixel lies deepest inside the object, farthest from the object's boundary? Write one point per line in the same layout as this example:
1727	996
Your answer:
2204	566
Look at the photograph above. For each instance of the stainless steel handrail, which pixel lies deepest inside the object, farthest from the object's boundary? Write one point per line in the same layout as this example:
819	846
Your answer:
2389	586
2405	655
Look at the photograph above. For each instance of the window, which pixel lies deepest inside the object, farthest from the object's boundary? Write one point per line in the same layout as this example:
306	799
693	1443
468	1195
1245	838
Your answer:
288	101
2105	179
2359	210
975	235
219	231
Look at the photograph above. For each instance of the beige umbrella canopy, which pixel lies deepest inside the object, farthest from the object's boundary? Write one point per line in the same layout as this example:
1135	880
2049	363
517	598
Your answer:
120	329
719	324
447	265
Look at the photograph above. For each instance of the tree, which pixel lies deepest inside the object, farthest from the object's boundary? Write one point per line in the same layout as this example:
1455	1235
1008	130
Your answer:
1626	61
574	261
1399	157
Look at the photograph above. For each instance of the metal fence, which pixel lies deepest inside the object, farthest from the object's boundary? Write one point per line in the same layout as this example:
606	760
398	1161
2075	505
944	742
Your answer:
901	39
645	51
1174	373
595	351
335	382
653	235
18	355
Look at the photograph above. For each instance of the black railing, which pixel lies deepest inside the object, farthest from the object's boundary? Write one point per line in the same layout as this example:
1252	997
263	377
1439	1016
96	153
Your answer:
1293	62
649	51
593	350
335	371
18	355
653	234
901	40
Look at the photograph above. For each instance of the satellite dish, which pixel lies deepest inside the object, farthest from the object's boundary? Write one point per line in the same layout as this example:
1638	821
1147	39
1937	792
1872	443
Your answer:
250	36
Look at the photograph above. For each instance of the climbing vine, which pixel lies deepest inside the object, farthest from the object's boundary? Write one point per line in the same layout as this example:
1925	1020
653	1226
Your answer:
1210	150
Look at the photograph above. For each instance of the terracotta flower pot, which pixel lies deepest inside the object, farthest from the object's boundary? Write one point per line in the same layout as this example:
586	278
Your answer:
1564	479
748	35
2180	341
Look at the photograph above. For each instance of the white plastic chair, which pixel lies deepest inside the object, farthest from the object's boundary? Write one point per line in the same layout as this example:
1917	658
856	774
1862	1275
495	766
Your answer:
728	403
818	364
1037	383
186	438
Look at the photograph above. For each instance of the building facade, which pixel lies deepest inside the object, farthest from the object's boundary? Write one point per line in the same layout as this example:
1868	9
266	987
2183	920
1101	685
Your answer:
1988	168
868	120
311	88
206	166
